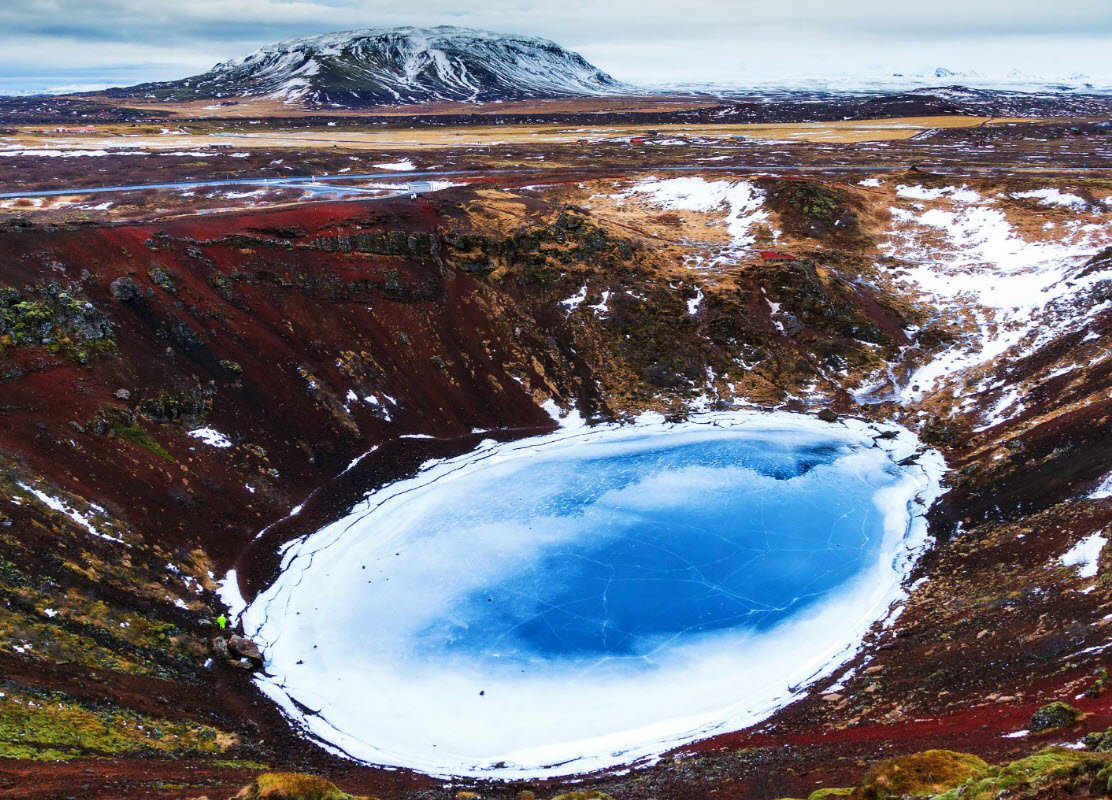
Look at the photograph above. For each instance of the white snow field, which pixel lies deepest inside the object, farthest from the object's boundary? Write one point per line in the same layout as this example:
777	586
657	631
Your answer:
966	258
743	201
593	596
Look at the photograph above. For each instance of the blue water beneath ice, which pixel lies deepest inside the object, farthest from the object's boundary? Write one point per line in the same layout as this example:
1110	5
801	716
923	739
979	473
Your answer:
653	544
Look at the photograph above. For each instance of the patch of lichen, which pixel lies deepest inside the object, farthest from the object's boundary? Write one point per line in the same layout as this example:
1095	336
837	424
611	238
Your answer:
940	432
1054	715
919	775
165	408
55	318
329	400
48	726
117	639
635	338
292	786
642	330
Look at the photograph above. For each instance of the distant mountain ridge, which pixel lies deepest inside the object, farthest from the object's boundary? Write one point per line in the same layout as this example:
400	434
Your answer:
937	80
396	65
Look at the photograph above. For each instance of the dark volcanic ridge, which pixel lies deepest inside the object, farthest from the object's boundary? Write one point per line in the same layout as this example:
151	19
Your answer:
115	106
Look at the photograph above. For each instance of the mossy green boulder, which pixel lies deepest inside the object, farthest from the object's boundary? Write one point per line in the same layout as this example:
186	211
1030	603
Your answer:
292	786
920	775
1054	715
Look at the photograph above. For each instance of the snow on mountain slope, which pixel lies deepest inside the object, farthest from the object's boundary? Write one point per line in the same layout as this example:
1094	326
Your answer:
398	65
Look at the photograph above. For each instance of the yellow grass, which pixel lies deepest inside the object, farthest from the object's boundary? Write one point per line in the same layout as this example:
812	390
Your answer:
110	136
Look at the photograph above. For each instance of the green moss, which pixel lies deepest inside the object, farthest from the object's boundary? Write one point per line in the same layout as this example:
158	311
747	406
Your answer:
291	786
1100	741
46	640
920	775
237	764
945	775
826	794
1046	763
42	726
136	435
1026	774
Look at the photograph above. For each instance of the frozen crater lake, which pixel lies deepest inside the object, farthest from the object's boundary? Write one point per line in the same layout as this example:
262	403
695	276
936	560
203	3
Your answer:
593	596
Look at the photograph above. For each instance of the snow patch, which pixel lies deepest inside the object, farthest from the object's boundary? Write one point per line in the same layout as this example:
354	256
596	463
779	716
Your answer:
55	504
211	437
1085	555
228	592
1104	489
961	194
575	300
744	203
405	165
694	303
602	306
1052	198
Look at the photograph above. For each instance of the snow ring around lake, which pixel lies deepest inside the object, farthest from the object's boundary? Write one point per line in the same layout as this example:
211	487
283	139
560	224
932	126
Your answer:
595	596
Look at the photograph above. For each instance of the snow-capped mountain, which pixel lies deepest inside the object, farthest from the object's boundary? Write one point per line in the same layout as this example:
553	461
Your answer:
397	65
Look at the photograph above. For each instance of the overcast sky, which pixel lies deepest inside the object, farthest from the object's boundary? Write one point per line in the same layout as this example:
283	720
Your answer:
53	43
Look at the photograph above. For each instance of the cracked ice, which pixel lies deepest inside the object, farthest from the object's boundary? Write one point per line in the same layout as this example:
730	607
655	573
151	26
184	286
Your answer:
588	597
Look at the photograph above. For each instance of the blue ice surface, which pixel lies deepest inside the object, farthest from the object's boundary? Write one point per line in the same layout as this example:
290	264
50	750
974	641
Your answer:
666	543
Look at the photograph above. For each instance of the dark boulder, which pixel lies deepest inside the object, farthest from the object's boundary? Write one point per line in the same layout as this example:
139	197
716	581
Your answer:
1054	715
244	648
123	289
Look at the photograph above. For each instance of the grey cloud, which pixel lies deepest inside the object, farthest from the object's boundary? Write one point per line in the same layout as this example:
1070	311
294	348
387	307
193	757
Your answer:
637	40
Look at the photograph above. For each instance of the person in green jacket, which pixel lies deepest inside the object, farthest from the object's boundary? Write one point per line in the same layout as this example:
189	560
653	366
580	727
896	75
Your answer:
222	621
